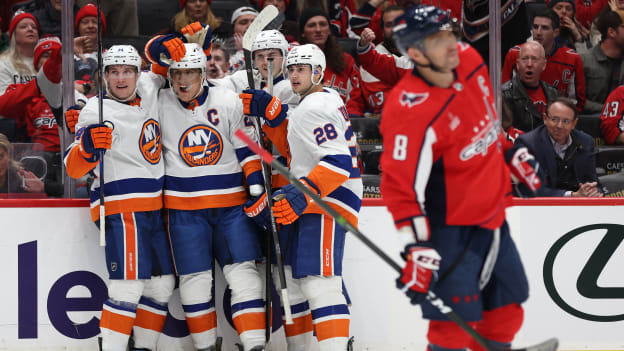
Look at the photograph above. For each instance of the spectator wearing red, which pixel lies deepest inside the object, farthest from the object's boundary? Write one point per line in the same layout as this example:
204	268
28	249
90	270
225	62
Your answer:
587	10
16	64
86	28
342	73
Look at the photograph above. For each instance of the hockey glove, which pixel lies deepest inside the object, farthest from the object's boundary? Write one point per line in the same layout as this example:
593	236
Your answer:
95	138
421	266
200	34
258	209
289	203
524	168
165	49
71	117
262	104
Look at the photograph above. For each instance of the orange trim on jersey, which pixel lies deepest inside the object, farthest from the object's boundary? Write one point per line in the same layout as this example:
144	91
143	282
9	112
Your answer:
207	201
252	166
128	205
77	166
131	246
149	320
202	323
278	137
249	321
116	322
160	70
301	325
278	181
326	180
328	248
335	328
314	208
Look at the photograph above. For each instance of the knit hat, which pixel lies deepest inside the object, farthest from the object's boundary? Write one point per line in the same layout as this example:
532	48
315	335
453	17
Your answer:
44	44
89	10
245	10
261	3
17	17
183	3
308	13
552	4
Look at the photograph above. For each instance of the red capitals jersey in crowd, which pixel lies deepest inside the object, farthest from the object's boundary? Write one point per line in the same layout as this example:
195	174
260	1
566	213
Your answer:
612	118
347	84
564	71
373	90
25	104
538	97
443	156
587	10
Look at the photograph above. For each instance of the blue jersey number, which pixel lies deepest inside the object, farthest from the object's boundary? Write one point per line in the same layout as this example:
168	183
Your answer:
327	132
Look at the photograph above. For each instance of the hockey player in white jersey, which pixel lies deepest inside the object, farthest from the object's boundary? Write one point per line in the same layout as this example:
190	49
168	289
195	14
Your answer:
323	155
136	239
207	170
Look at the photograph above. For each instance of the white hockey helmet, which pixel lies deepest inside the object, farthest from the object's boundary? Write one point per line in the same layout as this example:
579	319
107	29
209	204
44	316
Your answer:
122	55
270	39
308	54
194	57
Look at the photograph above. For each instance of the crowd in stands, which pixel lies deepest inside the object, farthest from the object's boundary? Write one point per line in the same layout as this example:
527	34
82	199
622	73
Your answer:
551	49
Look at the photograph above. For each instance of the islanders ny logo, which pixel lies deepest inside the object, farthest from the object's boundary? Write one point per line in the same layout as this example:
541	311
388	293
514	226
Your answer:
201	145
149	142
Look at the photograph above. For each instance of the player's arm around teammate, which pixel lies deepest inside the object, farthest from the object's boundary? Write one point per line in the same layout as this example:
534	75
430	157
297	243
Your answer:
322	146
136	240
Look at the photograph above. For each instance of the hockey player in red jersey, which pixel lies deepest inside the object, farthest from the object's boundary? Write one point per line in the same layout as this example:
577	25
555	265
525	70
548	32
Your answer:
446	183
564	67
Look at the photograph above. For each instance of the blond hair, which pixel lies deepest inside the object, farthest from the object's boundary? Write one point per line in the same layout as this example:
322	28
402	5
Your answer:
16	59
182	19
6	145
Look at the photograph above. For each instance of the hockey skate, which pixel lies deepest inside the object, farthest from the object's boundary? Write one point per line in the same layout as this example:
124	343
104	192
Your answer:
255	348
350	344
215	347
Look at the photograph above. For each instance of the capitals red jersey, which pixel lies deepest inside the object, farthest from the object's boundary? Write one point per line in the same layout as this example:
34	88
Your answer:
373	90
347	84
538	97
564	71
25	104
443	157
612	117
388	69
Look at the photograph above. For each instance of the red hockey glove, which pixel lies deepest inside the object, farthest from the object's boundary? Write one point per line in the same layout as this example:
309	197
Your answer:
262	104
71	117
52	67
421	265
95	138
290	203
164	49
258	209
525	169
200	34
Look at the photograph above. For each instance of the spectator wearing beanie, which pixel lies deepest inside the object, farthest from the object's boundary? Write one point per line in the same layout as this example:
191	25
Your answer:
123	19
85	64
342	73
49	17
571	33
16	64
241	19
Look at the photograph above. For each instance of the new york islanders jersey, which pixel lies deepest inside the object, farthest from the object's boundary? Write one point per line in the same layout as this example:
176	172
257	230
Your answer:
443	159
564	71
323	149
612	117
206	166
133	170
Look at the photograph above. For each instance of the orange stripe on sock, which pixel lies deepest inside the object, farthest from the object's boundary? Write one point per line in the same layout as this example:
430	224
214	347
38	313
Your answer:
202	323
334	328
300	326
149	320
328	249
249	321
116	322
131	246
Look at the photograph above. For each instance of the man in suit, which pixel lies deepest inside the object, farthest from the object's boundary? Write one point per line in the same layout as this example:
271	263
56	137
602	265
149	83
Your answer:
565	154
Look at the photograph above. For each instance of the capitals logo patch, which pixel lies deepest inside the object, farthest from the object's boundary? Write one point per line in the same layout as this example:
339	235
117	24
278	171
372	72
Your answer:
412	99
201	145
149	142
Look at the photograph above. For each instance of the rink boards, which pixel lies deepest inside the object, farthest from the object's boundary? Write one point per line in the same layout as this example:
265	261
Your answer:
53	274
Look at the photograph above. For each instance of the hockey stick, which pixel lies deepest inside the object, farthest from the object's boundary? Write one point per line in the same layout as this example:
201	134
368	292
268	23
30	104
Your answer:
101	120
548	345
268	16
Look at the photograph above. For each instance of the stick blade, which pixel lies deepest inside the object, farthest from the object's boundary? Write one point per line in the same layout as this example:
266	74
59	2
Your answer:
548	345
266	16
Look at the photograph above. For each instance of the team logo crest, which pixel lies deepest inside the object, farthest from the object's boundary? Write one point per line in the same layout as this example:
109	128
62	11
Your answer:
412	99
201	145
149	142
